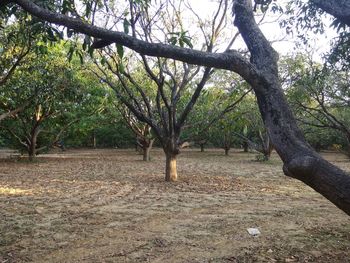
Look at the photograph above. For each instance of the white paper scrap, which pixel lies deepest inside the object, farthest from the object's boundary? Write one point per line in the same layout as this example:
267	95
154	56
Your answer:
253	231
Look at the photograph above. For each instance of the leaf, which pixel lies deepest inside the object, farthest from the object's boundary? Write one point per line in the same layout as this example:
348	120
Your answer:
120	50
86	42
181	42
187	41
172	40
245	130
91	52
81	57
121	68
70	53
126	25
103	61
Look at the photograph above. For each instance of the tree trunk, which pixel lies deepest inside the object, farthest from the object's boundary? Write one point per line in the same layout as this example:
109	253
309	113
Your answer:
202	147
300	160
245	146
31	149
227	150
32	144
338	8
170	169
31	152
94	143
268	148
348	146
146	150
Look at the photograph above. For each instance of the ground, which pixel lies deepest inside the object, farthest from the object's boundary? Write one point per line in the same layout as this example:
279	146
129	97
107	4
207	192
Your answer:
109	206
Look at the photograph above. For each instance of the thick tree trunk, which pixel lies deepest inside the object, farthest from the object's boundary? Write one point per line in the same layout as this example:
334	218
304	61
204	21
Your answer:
31	149
31	152
33	142
202	147
170	168
300	160
338	8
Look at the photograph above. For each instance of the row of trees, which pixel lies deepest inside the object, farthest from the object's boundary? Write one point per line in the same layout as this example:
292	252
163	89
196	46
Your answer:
158	31
70	107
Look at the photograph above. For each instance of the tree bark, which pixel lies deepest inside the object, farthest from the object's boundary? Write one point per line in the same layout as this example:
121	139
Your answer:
32	144
245	146
31	152
170	168
337	8
94	142
146	150
348	146
202	147
227	150
300	160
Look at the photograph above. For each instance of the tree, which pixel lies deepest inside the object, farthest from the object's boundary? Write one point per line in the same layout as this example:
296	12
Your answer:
15	44
142	131
252	132
260	71
55	95
154	91
222	132
20	36
226	92
319	95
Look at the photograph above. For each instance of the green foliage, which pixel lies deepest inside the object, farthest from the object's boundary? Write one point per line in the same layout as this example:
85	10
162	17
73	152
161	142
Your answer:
261	157
320	99
180	38
302	17
60	94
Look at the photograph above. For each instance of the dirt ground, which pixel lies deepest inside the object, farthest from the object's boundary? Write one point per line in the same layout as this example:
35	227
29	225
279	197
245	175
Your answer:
109	206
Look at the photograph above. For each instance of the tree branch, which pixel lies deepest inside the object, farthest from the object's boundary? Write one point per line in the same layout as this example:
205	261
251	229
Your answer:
228	60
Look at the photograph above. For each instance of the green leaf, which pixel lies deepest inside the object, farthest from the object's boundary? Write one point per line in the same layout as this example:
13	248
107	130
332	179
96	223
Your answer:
245	130
81	57
126	25
91	52
187	41
86	42
172	40
103	61
121	67
70	53
120	50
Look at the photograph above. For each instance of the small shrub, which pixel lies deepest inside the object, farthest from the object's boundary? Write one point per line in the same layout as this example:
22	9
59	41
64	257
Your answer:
261	157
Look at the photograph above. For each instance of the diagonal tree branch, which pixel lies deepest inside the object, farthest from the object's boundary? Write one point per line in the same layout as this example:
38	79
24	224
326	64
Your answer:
228	60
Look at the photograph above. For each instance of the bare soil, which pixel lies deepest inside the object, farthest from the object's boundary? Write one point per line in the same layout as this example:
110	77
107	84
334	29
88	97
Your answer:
109	206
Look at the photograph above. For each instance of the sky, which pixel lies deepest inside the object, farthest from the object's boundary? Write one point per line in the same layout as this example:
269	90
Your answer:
284	44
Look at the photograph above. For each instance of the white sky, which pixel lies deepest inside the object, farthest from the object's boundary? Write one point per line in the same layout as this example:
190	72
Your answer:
286	43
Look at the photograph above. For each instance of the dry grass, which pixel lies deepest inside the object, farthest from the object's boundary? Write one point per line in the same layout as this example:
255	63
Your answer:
109	206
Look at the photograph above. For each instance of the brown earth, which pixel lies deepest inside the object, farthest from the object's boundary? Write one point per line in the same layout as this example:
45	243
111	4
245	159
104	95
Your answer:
109	206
